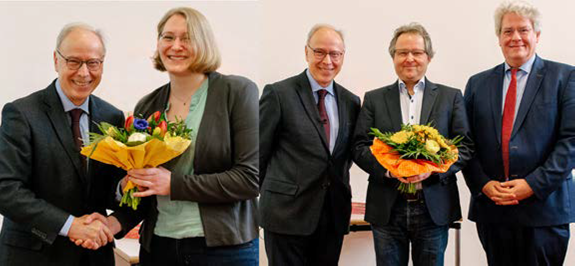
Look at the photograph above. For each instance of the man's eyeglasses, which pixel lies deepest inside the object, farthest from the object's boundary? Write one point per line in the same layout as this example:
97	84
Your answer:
169	38
75	64
403	53
321	54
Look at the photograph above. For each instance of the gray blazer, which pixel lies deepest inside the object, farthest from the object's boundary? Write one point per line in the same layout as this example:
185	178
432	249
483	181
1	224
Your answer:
297	169
225	179
42	181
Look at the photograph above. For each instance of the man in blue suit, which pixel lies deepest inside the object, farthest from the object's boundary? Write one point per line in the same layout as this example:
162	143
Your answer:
521	118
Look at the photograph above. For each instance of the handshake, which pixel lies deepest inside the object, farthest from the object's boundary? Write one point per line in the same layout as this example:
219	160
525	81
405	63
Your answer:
93	231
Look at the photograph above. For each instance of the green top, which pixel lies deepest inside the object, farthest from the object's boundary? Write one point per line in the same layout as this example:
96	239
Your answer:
181	219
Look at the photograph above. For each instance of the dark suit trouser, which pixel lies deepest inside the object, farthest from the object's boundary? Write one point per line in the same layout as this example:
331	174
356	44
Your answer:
322	247
57	254
96	258
513	245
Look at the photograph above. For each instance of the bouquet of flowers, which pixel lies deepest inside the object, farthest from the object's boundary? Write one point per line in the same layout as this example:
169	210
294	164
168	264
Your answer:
414	150
140	144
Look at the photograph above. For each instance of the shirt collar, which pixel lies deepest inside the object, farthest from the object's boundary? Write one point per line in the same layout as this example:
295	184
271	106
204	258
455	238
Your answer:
419	86
316	87
525	67
69	105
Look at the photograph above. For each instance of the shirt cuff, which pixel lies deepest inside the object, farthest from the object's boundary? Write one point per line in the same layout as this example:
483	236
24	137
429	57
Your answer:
387	174
66	227
119	192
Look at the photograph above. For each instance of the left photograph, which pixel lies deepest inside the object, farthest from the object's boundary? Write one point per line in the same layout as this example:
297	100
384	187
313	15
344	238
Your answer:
132	137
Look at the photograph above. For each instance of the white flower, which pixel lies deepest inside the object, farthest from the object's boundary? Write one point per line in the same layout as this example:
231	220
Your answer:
432	146
137	137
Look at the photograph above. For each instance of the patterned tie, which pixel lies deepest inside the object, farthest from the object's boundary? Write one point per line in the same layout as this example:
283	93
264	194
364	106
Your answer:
323	113
75	115
507	121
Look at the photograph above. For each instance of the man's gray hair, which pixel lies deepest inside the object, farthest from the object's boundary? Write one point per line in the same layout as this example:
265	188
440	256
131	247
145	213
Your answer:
412	28
521	8
68	28
317	27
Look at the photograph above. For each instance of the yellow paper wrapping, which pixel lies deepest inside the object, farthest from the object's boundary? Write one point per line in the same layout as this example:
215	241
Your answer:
391	161
146	155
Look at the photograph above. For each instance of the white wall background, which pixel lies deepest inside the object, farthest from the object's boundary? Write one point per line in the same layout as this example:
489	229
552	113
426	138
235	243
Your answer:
264	40
29	31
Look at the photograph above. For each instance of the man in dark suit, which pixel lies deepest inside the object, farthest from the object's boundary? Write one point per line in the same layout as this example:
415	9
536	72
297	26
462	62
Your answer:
306	123
521	117
46	187
398	218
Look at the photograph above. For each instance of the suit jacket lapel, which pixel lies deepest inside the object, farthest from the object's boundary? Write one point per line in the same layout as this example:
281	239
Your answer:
391	98
342	113
429	96
495	87
531	88
57	116
94	119
306	96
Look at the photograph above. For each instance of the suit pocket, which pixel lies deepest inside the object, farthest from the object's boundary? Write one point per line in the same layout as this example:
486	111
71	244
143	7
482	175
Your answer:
22	240
281	187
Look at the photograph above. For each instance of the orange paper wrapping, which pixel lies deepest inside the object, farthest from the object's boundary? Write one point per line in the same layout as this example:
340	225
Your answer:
390	160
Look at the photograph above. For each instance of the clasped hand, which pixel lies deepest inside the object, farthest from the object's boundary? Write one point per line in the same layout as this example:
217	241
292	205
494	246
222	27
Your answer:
90	231
507	193
412	179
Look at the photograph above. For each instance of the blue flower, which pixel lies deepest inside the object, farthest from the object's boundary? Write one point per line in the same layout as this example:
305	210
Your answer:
140	124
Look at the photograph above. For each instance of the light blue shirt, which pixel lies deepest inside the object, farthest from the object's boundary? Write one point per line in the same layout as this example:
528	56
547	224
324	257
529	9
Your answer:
330	107
84	129
411	104
522	76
